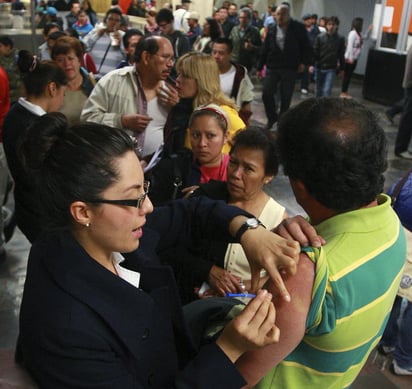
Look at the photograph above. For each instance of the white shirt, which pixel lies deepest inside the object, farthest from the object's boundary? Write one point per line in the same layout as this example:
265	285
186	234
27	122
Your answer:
226	81
154	130
36	109
132	277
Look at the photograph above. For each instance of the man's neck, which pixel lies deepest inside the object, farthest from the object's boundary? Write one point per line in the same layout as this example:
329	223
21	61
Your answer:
225	68
146	79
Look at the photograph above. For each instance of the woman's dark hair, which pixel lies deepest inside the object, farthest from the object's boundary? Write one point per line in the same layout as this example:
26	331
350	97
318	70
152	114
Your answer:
357	24
64	44
90	9
257	138
36	75
71	163
215	28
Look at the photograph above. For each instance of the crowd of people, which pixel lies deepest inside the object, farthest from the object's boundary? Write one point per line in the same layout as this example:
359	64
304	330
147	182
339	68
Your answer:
140	184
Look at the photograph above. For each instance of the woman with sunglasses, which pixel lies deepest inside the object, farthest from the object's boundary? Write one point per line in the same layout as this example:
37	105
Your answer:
90	318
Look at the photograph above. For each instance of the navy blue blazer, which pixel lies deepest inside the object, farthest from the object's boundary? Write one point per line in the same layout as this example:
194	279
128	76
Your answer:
81	326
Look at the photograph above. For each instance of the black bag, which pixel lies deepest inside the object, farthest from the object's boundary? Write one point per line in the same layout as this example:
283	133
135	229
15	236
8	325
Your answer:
169	176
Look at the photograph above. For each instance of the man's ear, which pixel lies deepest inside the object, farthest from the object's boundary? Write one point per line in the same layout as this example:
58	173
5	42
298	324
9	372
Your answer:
299	190
145	56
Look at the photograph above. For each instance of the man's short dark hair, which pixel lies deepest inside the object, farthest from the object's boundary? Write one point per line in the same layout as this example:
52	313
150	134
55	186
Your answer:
113	11
337	148
149	44
6	41
49	26
129	33
334	20
224	41
164	15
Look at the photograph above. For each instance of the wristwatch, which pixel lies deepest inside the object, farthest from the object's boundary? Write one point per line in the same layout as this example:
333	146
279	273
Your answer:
250	223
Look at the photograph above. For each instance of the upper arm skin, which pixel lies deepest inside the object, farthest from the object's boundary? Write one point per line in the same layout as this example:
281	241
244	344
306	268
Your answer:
291	320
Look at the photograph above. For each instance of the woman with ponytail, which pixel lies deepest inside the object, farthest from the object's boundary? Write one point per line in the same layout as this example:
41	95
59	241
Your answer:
45	85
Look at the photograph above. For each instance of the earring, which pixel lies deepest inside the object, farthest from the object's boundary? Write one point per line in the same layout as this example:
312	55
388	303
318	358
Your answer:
266	182
87	225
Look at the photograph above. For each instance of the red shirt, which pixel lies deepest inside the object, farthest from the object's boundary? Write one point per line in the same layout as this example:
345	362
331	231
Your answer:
218	173
4	99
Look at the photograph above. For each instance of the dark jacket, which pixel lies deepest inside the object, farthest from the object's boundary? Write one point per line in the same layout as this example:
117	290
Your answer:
191	262
180	43
172	174
297	49
27	206
329	51
81	326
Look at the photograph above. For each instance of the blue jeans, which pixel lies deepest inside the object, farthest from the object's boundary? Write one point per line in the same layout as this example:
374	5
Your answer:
324	82
398	334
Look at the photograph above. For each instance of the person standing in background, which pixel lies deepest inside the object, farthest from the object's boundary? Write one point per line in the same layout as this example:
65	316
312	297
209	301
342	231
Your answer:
90	12
312	31
246	40
352	53
194	27
4	171
328	52
403	136
71	17
177	38
234	80
105	44
8	60
180	17
285	53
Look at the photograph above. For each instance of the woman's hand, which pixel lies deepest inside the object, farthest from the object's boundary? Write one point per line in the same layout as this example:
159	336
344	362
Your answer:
266	250
168	95
223	282
298	228
189	190
252	329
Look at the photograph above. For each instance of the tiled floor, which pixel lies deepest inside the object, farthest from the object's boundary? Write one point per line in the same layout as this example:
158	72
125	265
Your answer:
12	272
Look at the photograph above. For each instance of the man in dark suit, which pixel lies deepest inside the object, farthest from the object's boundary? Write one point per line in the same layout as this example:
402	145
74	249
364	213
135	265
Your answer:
285	53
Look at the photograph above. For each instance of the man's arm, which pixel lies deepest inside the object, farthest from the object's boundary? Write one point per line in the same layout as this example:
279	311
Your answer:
291	320
98	106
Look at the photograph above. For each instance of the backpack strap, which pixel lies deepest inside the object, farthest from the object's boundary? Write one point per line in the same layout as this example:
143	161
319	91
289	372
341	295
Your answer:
239	76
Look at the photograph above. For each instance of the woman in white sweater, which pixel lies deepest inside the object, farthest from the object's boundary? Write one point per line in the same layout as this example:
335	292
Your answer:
352	53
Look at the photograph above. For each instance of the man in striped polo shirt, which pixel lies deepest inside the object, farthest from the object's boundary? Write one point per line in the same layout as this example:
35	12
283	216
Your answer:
334	153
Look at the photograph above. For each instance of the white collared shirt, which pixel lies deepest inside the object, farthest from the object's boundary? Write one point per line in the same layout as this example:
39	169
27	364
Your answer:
33	108
132	277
